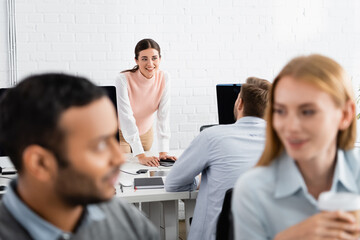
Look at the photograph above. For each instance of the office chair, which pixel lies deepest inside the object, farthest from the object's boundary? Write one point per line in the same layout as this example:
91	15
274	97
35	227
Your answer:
207	126
225	224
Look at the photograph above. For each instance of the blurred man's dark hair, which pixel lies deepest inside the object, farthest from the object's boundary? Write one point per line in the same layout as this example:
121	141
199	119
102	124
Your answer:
24	120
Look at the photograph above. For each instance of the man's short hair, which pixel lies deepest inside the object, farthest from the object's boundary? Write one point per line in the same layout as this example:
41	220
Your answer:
254	94
259	82
30	112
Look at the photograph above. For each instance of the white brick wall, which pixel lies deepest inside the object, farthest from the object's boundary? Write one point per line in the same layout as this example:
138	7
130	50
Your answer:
4	68
204	42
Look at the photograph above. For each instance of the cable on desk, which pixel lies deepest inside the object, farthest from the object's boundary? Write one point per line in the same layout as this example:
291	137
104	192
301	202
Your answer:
129	172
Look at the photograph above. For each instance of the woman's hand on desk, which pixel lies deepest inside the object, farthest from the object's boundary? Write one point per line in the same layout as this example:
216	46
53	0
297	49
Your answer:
148	161
164	155
324	225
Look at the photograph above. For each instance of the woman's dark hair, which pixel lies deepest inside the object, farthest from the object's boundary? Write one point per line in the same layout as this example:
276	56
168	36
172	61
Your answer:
143	45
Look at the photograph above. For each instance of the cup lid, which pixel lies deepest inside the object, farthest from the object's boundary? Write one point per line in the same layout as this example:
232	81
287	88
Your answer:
332	201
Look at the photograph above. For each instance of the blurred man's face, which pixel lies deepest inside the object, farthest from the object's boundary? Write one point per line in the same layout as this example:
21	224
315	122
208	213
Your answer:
92	152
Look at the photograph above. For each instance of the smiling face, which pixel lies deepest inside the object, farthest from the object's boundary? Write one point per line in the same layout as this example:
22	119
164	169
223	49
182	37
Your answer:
93	154
148	62
306	119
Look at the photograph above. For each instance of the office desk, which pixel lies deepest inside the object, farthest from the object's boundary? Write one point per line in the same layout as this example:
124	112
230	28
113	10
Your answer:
159	206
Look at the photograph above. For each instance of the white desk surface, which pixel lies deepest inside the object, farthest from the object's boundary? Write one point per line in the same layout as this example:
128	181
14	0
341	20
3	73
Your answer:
140	195
131	195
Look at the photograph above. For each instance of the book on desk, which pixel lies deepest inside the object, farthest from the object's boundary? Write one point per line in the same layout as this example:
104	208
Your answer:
148	183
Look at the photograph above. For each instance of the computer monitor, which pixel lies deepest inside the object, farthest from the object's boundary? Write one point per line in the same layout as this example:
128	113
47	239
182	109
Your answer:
111	92
2	154
4	159
226	96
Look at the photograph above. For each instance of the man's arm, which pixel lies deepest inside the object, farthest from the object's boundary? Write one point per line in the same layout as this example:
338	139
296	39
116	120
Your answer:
192	162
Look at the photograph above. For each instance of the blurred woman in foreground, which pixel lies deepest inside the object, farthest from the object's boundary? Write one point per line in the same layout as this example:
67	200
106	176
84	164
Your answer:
311	130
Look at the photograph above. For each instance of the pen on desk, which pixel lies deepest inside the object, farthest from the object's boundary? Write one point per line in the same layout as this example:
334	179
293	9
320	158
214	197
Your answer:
121	188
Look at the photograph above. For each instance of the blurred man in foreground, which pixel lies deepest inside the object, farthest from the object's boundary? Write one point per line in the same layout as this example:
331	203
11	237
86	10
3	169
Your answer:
60	133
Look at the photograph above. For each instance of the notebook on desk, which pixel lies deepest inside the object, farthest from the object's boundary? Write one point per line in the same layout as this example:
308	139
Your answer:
148	183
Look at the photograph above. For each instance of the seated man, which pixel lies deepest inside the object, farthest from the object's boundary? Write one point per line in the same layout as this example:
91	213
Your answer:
221	153
60	133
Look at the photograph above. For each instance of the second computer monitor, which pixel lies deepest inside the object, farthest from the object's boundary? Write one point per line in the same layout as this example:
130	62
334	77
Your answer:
226	96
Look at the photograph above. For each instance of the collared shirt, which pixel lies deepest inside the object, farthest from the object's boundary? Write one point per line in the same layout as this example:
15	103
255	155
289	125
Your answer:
36	226
268	200
221	153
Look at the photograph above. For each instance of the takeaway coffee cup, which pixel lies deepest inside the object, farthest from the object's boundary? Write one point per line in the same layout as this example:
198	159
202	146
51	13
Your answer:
332	201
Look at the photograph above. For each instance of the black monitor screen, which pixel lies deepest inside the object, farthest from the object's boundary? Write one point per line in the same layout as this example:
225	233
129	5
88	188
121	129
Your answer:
110	90
226	96
2	91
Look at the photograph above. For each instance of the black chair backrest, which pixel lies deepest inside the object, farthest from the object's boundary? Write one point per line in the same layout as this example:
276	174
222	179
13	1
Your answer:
203	127
225	224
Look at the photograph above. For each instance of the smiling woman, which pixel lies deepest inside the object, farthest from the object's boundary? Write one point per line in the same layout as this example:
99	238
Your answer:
142	91
310	134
